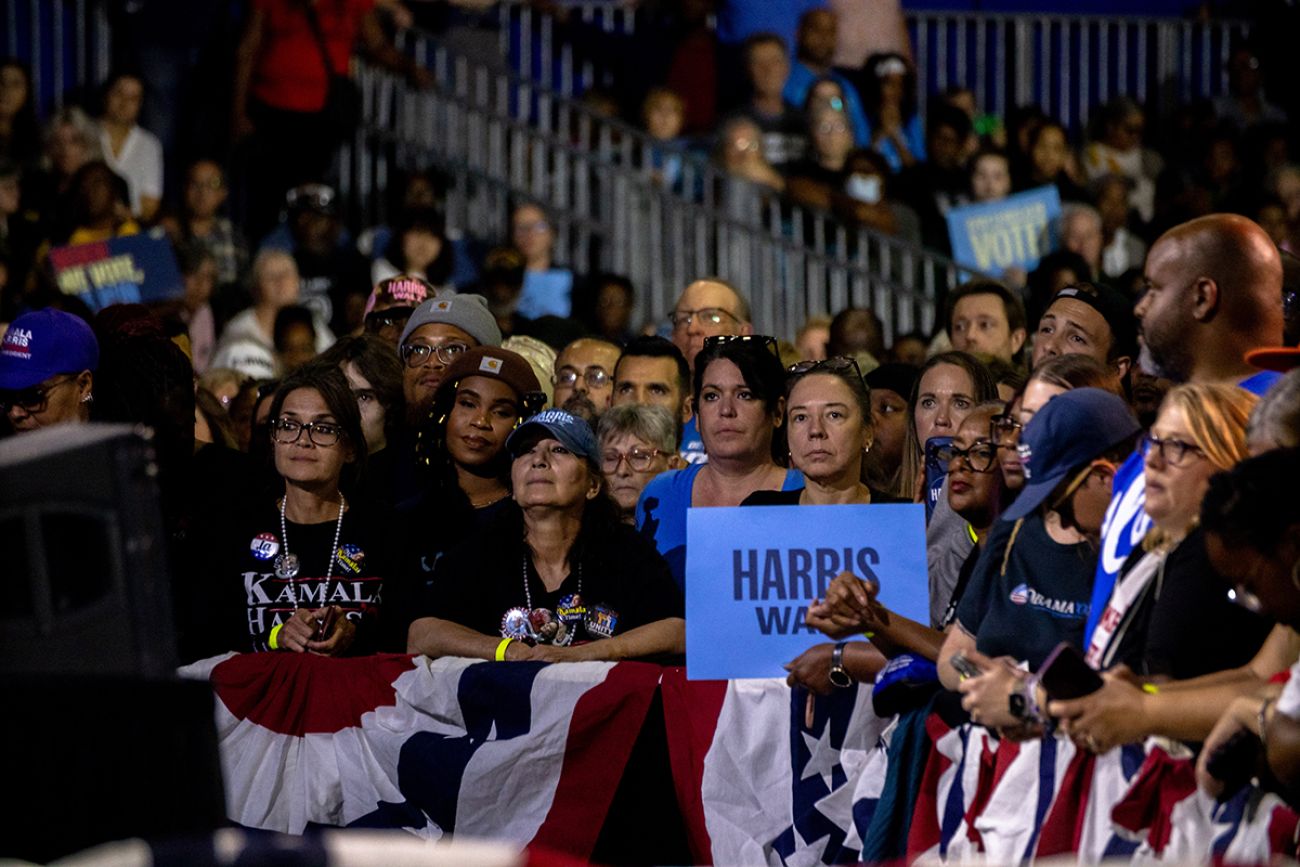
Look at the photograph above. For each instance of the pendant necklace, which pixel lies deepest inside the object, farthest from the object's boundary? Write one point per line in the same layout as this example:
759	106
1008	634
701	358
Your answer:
287	565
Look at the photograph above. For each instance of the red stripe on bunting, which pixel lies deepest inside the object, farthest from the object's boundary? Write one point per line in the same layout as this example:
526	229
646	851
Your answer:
605	724
1063	828
691	710
300	693
925	834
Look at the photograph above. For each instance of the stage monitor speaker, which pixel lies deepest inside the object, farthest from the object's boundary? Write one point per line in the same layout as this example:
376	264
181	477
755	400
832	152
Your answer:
83	574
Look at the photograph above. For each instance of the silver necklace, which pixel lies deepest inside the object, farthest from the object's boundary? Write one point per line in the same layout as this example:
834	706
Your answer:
528	593
287	565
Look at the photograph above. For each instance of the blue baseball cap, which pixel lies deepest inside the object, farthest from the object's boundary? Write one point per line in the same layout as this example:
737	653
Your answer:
45	343
1069	431
572	432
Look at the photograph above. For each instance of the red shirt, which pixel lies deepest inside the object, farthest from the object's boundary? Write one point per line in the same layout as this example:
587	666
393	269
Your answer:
288	72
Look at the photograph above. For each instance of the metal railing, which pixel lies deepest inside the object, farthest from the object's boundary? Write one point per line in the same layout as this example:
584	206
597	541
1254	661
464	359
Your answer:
502	139
65	43
1065	64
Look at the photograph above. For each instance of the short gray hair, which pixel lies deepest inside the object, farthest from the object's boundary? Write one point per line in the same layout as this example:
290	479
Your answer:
1277	415
651	424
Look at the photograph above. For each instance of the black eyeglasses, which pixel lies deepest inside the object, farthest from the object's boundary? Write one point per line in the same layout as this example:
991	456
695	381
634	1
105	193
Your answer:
705	315
417	354
1004	429
763	340
1172	451
837	363
981	457
640	460
595	377
394	317
321	433
30	400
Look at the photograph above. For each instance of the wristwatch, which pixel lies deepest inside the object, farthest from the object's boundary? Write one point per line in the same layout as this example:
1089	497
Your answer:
1018	706
838	676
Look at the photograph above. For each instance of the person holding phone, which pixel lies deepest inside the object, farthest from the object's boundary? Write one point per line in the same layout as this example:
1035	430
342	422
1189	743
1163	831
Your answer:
1031	586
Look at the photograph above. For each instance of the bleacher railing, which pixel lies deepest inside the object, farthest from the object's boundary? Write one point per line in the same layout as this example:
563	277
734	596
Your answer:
503	139
1065	64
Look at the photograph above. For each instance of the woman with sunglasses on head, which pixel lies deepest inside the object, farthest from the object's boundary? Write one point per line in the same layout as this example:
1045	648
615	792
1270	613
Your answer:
555	577
48	360
739	404
312	558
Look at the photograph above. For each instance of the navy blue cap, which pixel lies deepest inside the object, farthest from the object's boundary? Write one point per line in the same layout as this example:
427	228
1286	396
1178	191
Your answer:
1069	431
572	432
45	343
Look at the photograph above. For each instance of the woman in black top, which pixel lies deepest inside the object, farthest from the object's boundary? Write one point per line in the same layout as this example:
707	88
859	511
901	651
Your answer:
559	578
312	560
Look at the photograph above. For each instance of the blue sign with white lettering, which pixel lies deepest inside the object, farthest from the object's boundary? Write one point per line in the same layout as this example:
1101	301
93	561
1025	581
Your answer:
132	269
1014	232
751	573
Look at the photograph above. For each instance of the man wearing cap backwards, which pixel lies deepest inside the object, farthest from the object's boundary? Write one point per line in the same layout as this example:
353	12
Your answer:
1033	582
556	577
47	370
1213	293
1092	320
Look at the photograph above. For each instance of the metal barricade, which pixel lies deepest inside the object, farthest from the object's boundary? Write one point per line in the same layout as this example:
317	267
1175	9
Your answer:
503	139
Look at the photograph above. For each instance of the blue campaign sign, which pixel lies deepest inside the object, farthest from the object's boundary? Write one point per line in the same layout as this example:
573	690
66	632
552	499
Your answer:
751	572
1014	232
135	269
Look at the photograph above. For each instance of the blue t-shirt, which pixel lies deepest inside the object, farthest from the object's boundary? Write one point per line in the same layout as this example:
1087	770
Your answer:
801	81
546	293
692	450
1126	520
661	513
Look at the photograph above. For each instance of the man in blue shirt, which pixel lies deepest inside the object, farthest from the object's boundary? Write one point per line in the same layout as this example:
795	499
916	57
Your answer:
813	53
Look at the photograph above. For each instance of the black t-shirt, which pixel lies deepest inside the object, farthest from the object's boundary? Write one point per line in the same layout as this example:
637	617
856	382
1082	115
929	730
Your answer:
1184	625
785	135
252	599
476	583
1040	599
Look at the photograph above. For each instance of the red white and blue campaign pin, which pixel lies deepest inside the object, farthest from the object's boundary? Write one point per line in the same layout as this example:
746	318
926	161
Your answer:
601	621
514	624
264	546
350	558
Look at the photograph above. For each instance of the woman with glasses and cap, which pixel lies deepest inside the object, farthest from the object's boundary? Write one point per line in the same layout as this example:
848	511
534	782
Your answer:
48	360
311	559
556	577
740	406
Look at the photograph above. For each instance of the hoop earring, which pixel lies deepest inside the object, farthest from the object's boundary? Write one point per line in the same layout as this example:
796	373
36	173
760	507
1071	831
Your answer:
1295	575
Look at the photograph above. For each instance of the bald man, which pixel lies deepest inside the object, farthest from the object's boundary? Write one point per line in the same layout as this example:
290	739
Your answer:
1214	292
706	308
584	377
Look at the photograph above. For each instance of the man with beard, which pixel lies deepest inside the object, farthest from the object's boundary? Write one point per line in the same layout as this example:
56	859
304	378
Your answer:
1213	292
584	378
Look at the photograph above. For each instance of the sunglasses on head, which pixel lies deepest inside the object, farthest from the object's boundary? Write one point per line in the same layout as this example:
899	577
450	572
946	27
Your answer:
765	341
837	363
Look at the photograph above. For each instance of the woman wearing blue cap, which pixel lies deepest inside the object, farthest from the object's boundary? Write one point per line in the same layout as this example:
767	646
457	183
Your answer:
47	370
557	577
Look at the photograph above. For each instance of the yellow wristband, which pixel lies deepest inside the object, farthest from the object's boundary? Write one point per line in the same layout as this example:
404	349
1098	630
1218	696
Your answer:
501	649
868	635
274	641
974	537
1150	689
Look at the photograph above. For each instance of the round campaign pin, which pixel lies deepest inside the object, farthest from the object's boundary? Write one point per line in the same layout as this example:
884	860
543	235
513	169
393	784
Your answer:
570	610
264	546
287	566
514	624
601	621
350	558
547	628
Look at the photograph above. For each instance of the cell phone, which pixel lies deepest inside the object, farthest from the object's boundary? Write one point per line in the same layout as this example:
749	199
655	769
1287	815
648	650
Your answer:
1234	762
964	666
324	624
1065	674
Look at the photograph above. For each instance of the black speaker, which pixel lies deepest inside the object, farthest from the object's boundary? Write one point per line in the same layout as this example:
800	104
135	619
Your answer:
83	575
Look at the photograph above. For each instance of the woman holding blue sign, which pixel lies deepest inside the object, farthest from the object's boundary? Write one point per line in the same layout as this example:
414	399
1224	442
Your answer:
739	388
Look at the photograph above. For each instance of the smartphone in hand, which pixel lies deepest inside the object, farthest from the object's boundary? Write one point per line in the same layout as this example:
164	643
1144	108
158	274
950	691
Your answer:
1065	674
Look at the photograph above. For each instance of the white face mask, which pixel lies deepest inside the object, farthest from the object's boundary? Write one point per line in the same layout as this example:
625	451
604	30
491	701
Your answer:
864	188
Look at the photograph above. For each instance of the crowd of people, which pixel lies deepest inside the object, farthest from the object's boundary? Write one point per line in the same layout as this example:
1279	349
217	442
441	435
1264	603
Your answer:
501	460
